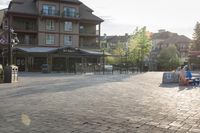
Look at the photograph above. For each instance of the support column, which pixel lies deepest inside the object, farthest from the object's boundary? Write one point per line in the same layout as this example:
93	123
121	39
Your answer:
99	34
49	62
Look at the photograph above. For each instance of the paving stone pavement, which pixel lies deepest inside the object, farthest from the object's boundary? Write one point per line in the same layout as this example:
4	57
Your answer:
134	103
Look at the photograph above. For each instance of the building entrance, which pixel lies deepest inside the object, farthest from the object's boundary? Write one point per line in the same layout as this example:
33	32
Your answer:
20	62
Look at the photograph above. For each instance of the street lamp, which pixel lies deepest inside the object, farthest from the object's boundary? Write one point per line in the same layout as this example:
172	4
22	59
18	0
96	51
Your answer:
103	61
12	40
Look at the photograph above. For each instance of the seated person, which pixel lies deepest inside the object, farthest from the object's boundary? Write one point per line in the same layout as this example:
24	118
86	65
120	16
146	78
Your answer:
192	81
188	74
182	77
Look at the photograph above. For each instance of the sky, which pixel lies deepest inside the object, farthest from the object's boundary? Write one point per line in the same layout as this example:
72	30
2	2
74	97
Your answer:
123	16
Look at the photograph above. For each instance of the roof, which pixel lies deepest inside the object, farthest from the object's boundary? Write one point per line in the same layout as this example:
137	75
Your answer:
2	14
98	53
194	53
36	49
177	39
86	14
163	35
116	39
29	7
171	38
49	50
23	6
70	1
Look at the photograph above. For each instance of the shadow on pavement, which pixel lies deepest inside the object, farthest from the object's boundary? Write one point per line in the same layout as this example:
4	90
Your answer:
176	85
67	83
169	85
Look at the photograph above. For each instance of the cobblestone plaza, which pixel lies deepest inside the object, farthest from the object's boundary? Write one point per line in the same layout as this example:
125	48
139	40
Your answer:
134	103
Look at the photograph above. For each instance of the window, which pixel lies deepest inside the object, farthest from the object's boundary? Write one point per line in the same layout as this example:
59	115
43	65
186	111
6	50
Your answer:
81	27
50	25
68	26
27	39
49	10
67	40
70	12
50	39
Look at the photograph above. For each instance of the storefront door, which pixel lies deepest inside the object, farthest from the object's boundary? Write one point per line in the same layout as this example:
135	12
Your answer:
20	62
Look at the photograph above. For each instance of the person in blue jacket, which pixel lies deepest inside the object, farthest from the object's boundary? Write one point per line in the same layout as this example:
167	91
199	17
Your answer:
188	73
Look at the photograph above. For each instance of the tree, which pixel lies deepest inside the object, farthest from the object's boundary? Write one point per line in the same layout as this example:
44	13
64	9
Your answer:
119	51
139	46
196	37
168	58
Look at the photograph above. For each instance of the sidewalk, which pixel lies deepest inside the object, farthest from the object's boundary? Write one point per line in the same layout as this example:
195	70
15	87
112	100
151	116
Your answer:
56	103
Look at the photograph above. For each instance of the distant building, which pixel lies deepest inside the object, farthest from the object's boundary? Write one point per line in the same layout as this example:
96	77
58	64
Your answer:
111	42
162	40
60	33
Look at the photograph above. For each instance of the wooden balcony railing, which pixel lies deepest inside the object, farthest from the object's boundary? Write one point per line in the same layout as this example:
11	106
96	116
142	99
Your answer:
90	46
51	12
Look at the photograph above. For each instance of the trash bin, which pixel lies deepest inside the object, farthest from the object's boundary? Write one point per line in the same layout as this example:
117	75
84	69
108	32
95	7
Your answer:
11	74
45	68
1	74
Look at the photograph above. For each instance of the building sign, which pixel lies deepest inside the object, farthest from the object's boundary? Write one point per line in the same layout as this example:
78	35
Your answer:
70	50
170	77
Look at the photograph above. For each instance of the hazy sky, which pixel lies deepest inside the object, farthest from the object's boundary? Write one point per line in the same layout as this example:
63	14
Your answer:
122	16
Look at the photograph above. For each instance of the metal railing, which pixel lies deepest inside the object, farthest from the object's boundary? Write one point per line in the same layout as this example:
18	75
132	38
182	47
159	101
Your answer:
50	12
25	27
70	15
90	46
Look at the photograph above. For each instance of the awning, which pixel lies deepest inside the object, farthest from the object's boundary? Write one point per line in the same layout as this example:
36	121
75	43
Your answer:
100	53
36	49
65	50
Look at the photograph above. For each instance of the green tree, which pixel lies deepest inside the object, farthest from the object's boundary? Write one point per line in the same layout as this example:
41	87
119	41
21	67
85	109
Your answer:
168	58
196	37
119	52
139	46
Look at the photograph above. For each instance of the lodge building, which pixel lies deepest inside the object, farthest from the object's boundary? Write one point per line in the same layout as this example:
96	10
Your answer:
60	33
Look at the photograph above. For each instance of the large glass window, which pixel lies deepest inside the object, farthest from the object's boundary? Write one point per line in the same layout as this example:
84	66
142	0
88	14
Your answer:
70	12
50	25
50	39
67	40
68	26
49	10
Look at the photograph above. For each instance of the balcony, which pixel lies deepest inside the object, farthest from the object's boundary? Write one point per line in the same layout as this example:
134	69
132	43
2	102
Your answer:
25	43
84	32
70	15
90	46
50	12
27	39
25	28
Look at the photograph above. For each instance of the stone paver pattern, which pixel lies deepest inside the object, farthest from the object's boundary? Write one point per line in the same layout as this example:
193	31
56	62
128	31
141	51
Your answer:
132	103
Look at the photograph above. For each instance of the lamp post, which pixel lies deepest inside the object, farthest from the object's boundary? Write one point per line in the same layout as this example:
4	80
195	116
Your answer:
103	61
12	40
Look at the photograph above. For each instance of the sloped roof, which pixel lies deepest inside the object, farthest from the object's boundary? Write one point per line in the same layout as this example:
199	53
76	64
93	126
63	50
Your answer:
50	49
2	14
97	53
163	35
116	39
23	6
36	49
194	53
177	39
29	7
86	14
73	1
